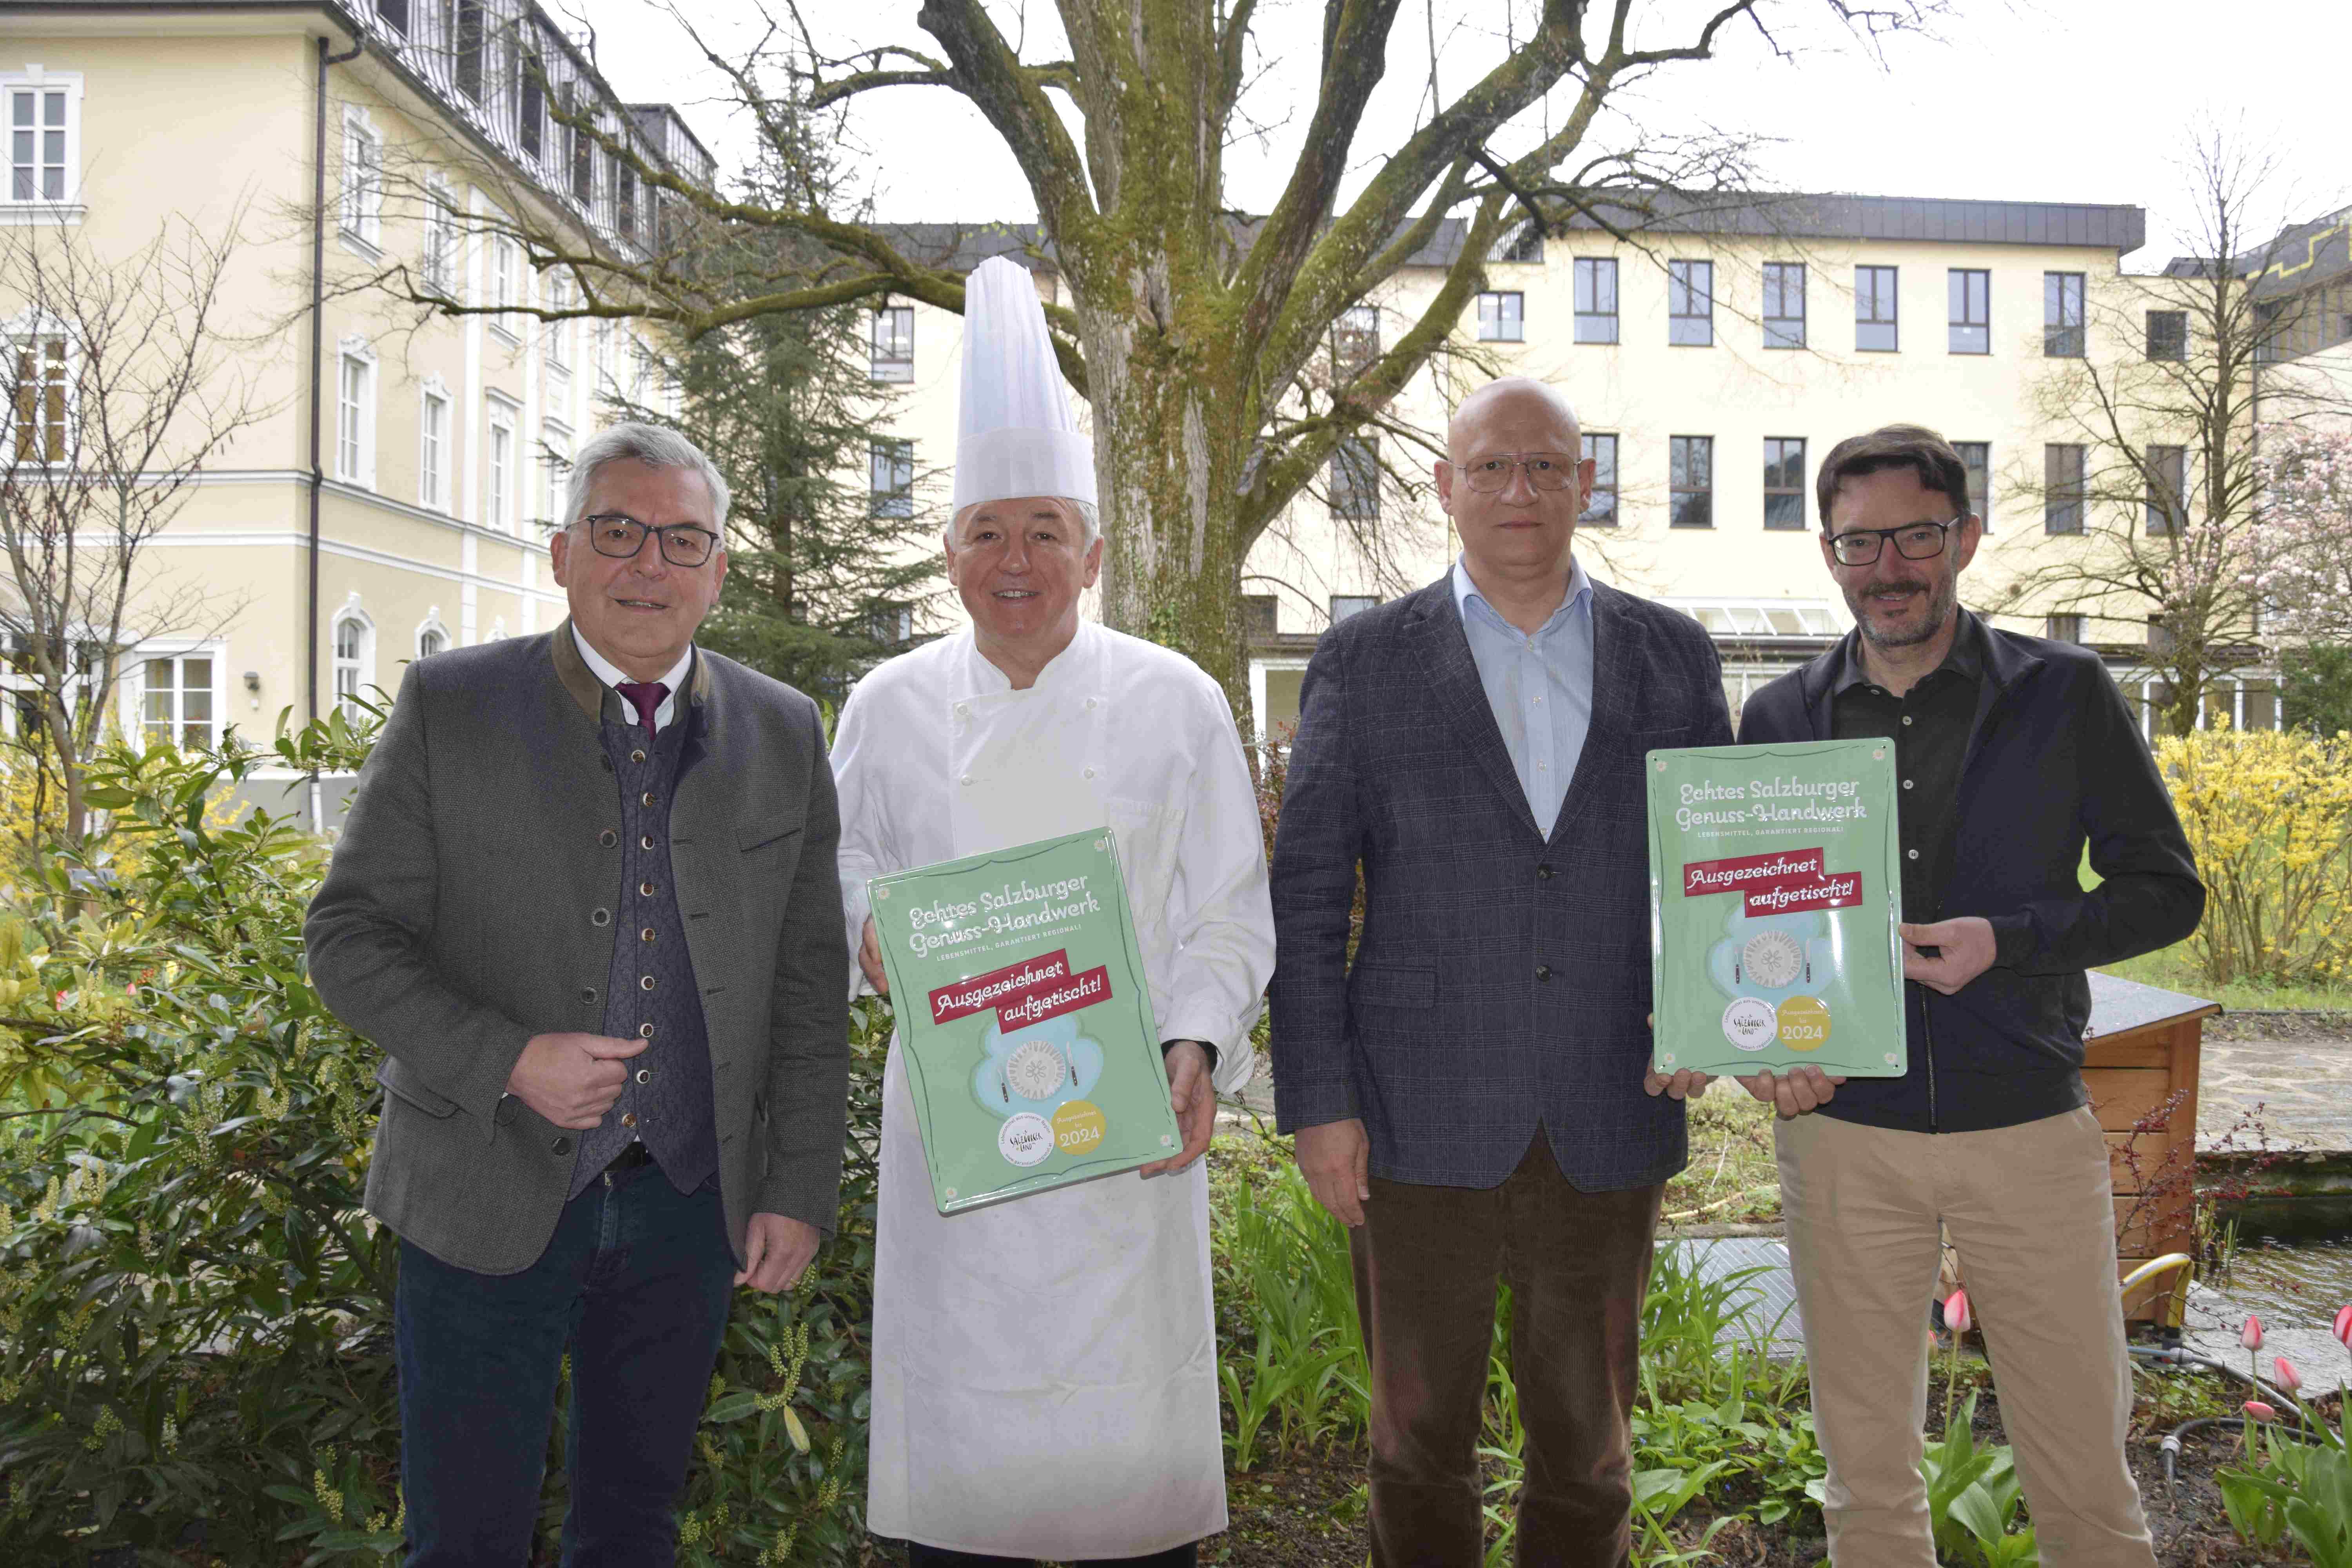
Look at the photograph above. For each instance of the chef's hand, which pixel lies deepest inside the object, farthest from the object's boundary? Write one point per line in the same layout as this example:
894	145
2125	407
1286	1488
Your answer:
776	1247
1965	949
1194	1099
1795	1092
869	961
1336	1159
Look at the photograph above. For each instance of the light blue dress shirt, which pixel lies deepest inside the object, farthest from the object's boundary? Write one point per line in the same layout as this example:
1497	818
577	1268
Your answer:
1539	687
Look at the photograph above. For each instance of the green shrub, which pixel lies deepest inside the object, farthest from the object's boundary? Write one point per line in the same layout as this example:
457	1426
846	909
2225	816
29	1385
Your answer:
195	1311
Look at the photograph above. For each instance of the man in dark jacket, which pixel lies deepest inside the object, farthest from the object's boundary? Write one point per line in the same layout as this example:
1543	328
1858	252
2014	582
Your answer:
2014	754
1470	1097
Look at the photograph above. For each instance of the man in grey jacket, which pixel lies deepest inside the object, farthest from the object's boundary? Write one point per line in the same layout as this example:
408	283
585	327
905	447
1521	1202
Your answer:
586	903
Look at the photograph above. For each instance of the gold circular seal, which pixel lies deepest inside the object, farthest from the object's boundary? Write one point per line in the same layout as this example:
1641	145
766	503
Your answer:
1078	1127
1804	1024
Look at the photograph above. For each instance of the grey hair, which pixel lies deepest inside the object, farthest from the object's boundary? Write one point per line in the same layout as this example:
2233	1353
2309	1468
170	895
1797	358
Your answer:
1089	519
652	445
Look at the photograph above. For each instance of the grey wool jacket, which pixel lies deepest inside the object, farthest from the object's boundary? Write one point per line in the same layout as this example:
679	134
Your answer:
470	905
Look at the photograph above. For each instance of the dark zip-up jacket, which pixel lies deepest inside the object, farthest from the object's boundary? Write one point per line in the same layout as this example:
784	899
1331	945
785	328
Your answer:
2054	762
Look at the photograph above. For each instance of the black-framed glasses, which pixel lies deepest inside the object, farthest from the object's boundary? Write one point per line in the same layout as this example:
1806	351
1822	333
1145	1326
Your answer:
620	536
1545	471
1913	541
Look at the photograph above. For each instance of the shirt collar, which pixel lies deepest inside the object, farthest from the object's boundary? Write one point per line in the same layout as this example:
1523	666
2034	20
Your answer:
1467	594
612	675
1965	657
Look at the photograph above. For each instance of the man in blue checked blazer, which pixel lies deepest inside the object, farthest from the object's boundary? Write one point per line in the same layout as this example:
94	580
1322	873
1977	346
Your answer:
1472	1097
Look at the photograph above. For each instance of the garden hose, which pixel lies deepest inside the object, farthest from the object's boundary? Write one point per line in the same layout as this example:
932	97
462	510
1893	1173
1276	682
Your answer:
2176	1303
2179	1355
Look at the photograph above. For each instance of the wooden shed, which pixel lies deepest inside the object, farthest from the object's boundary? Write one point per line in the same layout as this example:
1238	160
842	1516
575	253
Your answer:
2140	1060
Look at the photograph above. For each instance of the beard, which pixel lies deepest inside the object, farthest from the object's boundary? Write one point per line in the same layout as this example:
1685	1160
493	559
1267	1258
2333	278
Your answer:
1943	598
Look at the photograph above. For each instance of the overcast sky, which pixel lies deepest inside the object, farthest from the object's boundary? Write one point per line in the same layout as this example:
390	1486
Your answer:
2075	100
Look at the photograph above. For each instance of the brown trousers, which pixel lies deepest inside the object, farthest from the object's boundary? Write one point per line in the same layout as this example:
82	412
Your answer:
1427	1260
2032	1213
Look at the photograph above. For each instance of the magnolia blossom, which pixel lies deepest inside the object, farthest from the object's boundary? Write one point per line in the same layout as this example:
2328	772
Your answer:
2250	1336
2302	563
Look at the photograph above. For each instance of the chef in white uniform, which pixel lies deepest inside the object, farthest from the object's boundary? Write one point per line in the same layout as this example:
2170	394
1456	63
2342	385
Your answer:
1045	1369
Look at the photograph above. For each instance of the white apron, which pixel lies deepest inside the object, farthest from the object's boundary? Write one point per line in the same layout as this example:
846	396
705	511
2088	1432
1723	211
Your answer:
1045	1369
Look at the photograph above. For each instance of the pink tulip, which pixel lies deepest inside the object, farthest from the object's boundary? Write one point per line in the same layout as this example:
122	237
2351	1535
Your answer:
2250	1336
2283	1374
2259	1411
1955	1312
2344	1327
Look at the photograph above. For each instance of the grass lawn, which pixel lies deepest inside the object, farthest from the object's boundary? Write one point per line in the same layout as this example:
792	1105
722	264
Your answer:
1732	1178
2176	969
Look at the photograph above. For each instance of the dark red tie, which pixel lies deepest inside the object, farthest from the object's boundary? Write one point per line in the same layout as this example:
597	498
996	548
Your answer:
646	696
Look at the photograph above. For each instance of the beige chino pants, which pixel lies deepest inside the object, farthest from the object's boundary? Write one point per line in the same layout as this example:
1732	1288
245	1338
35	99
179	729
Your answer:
2030	1212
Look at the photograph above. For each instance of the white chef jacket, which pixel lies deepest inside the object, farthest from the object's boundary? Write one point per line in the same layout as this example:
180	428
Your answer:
1045	1369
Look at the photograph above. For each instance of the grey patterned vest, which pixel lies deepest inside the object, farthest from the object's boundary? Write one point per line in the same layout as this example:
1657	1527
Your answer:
650	990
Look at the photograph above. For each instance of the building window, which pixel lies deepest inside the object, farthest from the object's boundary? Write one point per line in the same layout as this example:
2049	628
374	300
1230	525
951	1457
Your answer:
430	641
43	126
440	258
584	164
1876	328
363	206
355	413
469	40
1355	340
394	14
2063	628
1600	506
1971	292
39	400
1355	478
891	477
530	126
1784	304
2167	489
1345	605
554	470
354	657
497	508
2168	334
433	450
1500	318
1596	299
624	200
176	701
1977	457
2061	315
505	282
2062	488
891	355
1691	480
1784	481
1690	303
557	295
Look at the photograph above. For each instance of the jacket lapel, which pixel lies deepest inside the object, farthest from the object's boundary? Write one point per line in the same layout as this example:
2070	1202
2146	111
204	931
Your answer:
1462	698
1619	658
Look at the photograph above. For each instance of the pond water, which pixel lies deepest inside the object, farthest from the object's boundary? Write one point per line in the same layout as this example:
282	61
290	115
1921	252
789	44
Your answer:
2307	1282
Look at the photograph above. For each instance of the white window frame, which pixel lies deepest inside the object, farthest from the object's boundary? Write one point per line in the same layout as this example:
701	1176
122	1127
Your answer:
890	354
42	210
442	250
177	655
555	291
555	471
498	509
504	285
359	212
431	626
355	418
433	466
34	331
351	674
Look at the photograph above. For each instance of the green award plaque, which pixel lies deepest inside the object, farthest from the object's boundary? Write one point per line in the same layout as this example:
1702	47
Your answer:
1025	1021
1775	880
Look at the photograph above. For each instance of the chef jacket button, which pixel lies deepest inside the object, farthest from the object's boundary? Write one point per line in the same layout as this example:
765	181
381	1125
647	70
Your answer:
608	838
967	778
1090	702
645	1031
963	708
1543	971
1091	772
601	918
645	1075
562	1145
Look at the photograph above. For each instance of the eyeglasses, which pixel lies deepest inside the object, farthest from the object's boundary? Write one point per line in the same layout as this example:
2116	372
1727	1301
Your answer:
1546	471
1913	541
620	536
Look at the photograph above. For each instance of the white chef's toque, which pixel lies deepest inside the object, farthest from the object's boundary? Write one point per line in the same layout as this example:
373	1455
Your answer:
1016	435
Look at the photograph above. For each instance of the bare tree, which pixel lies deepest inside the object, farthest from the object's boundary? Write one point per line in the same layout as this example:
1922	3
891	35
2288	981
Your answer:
123	388
1202	338
2153	497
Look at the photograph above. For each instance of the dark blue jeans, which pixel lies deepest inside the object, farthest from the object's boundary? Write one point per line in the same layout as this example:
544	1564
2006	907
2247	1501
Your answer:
635	1284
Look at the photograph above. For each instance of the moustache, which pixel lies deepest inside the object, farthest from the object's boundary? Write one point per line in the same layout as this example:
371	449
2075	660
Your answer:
1906	585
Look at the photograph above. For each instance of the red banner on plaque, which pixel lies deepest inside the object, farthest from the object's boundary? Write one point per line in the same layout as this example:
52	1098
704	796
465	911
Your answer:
1052	999
1703	877
981	991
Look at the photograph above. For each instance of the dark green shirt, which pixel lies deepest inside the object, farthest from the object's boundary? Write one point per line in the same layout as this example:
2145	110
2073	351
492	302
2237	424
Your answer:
1929	725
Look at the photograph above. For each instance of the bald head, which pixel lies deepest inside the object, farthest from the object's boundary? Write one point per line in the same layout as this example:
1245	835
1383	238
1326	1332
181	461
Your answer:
1519	401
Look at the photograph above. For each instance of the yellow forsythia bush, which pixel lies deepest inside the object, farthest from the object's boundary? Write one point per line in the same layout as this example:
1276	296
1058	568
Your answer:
2269	815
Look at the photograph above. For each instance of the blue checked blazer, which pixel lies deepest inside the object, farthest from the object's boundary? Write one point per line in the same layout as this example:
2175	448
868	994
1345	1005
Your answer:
1502	982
